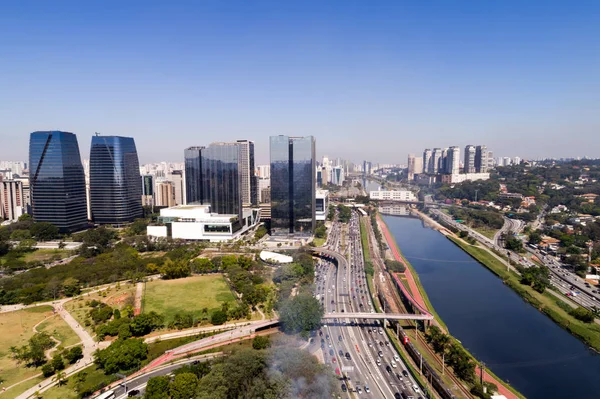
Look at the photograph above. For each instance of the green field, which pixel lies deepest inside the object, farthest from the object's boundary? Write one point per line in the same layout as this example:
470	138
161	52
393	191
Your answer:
191	294
16	328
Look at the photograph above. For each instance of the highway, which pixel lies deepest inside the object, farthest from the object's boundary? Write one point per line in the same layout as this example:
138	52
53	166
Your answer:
560	278
356	348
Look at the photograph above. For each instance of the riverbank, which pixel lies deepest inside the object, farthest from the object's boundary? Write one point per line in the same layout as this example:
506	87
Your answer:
546	303
488	376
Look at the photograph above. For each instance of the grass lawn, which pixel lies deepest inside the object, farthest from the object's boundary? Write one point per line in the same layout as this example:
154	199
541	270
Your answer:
17	328
319	241
60	330
44	255
486	231
191	294
93	377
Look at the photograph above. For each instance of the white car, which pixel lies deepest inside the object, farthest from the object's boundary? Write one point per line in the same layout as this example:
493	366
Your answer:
393	364
415	388
397	358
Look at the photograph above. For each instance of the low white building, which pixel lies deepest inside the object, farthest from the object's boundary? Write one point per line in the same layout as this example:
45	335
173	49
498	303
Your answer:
462	177
274	257
393	195
322	204
196	222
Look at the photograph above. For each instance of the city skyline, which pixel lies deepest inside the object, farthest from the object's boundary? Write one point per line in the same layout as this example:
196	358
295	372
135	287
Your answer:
411	75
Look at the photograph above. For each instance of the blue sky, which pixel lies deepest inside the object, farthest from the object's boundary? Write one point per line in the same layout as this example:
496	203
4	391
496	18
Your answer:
369	79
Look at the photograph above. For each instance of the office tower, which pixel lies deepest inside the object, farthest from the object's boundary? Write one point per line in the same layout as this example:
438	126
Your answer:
337	175
469	166
481	160
114	180
367	167
12	200
246	170
443	163
178	186
319	176
193	175
221	178
453	161
165	194
292	184
436	157
148	190
427	167
264	171
57	181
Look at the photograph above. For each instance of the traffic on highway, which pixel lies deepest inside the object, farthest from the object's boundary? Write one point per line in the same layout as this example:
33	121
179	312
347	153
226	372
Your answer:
358	350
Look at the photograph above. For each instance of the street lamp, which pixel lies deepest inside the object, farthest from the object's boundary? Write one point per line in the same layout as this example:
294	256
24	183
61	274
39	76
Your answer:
124	377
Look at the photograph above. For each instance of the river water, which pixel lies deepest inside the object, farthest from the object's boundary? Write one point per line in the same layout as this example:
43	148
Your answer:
520	344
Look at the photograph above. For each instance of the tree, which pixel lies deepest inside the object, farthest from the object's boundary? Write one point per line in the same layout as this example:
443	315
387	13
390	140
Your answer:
513	244
57	362
261	342
74	354
535	237
44	231
183	386
47	370
125	331
32	354
60	377
158	388
71	286
218	317
300	314
175	269
145	323
25	217
18	235
122	355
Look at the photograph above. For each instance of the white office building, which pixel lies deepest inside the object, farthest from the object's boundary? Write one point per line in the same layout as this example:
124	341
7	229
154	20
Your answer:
393	195
321	204
196	222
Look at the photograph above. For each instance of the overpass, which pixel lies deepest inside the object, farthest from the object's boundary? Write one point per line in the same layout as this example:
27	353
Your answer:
377	316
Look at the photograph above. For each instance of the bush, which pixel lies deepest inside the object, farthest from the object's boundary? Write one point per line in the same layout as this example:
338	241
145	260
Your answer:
47	370
218	317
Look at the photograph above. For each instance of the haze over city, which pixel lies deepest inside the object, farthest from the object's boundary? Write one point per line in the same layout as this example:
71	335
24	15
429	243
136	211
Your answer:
369	81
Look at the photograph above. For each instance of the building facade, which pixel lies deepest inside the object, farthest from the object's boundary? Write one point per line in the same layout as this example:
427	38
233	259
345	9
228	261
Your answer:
427	167
293	185
193	175
249	190
481	159
178	181
221	179
393	195
165	194
12	200
322	204
436	160
57	180
469	165
115	191
453	160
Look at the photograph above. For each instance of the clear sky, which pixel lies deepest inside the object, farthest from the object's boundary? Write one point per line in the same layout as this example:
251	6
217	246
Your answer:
369	79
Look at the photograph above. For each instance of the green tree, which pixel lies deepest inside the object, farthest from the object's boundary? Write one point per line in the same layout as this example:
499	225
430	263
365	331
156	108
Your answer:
261	342
25	217
183	386
122	355
175	269
60	377
57	362
71	286
74	354
300	314
145	323
32	354
218	317
18	235
535	237
158	388
47	370
44	231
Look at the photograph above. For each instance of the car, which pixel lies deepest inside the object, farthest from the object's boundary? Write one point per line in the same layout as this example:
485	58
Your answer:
380	354
367	390
348	357
331	352
388	369
405	373
394	365
358	390
396	357
340	352
397	395
333	360
133	392
344	389
380	343
378	361
398	376
415	388
340	338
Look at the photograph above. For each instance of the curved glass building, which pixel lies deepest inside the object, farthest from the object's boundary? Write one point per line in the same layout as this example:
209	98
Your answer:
115	189
57	181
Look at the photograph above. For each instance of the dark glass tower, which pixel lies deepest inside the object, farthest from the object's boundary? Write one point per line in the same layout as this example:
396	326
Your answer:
193	175
115	191
221	180
57	181
293	181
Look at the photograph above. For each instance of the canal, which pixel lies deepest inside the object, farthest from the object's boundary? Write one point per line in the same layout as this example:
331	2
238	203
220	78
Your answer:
517	342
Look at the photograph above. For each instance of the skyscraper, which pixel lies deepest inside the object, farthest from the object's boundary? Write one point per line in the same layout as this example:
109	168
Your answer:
115	191
453	161
178	186
12	200
221	178
427	161
193	175
292	185
246	168
415	166
57	180
469	166
481	159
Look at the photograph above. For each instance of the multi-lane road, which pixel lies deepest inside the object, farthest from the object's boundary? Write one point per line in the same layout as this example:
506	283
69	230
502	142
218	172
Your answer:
561	278
357	349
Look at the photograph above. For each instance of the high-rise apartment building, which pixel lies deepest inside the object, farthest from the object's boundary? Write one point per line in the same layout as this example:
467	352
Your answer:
481	159
427	167
147	190
264	171
453	160
415	166
293	182
115	191
436	159
178	186
57	180
12	200
469	166
246	169
165	194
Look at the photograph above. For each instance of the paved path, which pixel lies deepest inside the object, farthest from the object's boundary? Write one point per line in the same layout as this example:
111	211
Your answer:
139	292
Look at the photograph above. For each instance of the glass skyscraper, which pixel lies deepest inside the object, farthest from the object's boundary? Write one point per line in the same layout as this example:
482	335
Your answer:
193	175
221	180
293	181
115	191
57	180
